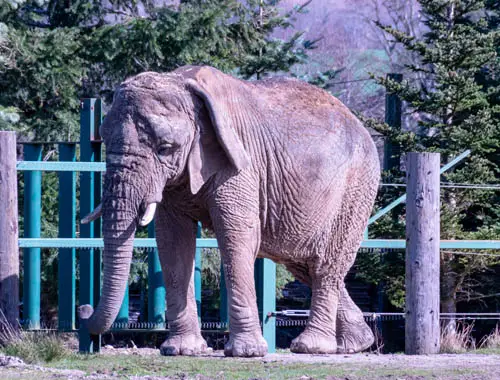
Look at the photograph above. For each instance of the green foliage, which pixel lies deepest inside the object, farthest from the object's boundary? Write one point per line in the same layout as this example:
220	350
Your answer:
52	53
40	80
229	35
283	277
8	117
457	105
384	267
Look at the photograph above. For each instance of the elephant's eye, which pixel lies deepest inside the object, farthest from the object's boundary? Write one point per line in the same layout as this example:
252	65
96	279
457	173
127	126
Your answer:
165	148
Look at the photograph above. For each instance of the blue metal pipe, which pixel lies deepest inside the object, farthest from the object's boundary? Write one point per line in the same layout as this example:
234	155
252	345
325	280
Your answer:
32	220
197	275
156	288
67	229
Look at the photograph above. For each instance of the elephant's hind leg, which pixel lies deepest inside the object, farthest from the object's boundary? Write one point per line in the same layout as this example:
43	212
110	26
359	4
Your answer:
353	333
319	334
176	238
334	256
334	317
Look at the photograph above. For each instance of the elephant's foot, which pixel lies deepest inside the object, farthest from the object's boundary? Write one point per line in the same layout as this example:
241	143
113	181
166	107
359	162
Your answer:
246	345
312	342
187	345
353	334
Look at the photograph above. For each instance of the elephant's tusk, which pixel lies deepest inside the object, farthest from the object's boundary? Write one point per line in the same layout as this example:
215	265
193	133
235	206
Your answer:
149	214
97	213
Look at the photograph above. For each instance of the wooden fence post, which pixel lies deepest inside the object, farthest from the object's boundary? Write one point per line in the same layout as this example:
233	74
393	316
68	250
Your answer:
9	249
422	332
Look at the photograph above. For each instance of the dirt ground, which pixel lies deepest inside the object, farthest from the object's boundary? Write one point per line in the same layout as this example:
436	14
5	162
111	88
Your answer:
281	365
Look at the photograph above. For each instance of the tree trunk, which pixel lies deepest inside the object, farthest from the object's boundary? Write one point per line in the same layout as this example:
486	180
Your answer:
9	250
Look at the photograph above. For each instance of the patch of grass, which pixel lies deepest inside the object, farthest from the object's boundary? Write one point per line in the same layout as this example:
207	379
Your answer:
234	368
486	351
492	341
35	347
31	347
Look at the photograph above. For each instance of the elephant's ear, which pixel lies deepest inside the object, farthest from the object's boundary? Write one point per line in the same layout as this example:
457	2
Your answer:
217	144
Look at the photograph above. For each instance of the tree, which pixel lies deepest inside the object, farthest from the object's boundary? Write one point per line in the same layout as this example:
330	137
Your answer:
60	51
458	109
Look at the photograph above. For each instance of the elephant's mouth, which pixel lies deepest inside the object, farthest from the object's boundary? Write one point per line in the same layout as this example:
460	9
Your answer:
144	220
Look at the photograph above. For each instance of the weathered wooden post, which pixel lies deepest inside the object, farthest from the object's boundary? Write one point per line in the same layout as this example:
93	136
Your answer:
9	249
422	254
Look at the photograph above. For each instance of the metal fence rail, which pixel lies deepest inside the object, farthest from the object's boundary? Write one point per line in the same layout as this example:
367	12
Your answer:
88	243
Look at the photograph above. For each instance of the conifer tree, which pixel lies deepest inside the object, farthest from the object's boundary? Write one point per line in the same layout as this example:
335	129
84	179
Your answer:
57	51
458	109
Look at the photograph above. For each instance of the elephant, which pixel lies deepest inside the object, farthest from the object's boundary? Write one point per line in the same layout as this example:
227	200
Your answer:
277	168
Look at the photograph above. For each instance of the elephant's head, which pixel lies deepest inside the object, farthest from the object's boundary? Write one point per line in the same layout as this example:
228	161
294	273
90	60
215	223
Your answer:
161	130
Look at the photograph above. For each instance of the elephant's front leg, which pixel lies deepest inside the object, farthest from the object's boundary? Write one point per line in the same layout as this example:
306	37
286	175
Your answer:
237	227
176	238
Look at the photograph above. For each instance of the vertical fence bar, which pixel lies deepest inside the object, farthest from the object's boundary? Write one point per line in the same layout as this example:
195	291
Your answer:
197	275
32	220
393	107
265	286
156	288
122	317
223	309
95	145
87	179
67	229
9	249
86	202
422	332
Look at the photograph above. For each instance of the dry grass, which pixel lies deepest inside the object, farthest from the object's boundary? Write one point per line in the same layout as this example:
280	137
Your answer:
31	347
491	341
457	340
378	345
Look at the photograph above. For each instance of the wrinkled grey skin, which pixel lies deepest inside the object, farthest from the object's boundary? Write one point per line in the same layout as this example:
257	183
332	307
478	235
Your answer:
278	168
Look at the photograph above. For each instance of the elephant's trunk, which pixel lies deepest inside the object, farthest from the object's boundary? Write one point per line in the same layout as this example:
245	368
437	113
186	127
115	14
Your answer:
119	225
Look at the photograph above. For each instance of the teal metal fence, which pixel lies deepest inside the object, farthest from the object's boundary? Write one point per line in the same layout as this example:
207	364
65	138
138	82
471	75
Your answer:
89	242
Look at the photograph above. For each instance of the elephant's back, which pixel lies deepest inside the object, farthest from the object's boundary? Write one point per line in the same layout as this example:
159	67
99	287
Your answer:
297	111
312	130
319	146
